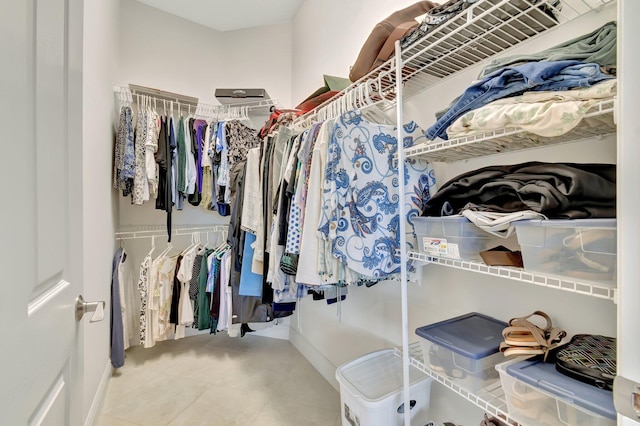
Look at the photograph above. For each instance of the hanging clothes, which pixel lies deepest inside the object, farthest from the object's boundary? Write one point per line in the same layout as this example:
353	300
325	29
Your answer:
163	292
128	305
151	147
117	335
124	164
146	333
201	314
362	211
197	129
181	167
140	173
184	275
164	159
225	292
310	244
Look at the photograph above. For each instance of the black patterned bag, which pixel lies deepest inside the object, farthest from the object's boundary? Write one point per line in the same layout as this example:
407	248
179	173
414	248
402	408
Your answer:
589	358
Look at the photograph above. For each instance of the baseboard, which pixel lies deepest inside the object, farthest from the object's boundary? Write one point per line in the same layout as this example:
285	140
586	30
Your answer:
315	357
98	398
278	331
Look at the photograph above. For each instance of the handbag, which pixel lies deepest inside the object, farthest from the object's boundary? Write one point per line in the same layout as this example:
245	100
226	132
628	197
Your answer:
380	44
434	18
589	358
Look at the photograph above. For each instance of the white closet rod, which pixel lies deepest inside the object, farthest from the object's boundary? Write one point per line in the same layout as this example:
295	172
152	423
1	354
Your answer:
133	233
126	98
362	94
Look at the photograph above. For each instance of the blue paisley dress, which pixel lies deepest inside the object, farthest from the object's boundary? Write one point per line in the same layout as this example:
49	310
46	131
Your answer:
360	200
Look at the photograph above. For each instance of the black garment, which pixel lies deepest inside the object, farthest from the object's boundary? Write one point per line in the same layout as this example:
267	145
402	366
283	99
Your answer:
247	308
161	158
195	273
215	297
164	158
557	190
175	296
267	194
236	234
195	198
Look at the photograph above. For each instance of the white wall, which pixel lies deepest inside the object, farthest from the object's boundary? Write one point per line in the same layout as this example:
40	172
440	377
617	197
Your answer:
163	51
370	317
327	36
166	52
99	202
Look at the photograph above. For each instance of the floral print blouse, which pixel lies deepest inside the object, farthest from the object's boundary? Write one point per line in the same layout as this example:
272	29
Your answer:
360	196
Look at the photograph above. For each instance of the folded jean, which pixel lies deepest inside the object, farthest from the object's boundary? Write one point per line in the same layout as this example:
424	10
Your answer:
598	46
512	81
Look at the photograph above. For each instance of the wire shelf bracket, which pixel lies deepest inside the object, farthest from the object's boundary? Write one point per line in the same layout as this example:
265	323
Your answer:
491	399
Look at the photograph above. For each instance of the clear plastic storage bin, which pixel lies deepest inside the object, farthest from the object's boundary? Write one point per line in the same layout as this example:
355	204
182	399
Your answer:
371	391
465	348
455	237
581	249
537	394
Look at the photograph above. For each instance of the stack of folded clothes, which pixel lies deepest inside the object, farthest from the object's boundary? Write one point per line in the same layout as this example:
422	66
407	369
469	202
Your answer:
546	93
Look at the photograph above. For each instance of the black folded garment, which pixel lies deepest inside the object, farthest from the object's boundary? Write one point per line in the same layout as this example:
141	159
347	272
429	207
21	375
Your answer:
557	190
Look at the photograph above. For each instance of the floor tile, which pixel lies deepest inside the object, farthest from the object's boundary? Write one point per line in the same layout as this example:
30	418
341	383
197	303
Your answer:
105	420
223	406
219	380
304	383
155	404
292	412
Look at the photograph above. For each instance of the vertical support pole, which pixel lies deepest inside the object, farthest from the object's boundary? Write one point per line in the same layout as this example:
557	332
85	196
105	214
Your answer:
403	239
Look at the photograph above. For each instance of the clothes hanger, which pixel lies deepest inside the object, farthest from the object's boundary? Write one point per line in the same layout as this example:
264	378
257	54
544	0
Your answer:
153	245
195	242
166	251
372	110
208	244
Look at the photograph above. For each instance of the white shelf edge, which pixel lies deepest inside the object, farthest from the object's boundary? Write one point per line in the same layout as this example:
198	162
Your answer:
490	399
517	274
148	231
437	55
512	138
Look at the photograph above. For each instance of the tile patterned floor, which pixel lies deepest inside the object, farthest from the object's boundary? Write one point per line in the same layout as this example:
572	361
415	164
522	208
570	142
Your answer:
219	381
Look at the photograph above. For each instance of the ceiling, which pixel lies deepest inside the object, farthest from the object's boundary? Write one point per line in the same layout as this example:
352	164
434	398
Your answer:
227	15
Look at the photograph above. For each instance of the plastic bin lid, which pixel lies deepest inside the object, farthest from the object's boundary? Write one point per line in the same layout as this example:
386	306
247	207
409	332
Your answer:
376	375
452	218
543	375
472	335
568	223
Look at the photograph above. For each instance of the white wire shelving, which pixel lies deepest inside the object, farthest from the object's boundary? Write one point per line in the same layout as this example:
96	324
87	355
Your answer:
518	274
491	398
125	96
484	29
148	231
599	121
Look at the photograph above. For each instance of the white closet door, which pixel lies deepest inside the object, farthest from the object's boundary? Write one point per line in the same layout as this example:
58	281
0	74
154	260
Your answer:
41	169
628	366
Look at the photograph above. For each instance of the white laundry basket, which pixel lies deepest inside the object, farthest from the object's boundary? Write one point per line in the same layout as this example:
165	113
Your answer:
371	391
